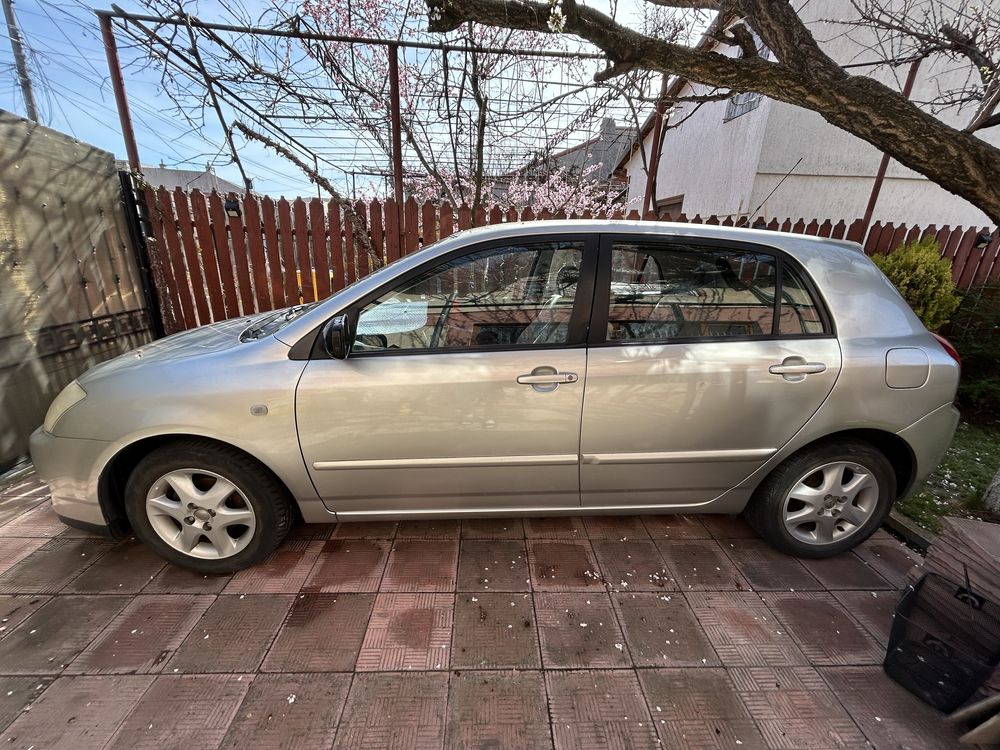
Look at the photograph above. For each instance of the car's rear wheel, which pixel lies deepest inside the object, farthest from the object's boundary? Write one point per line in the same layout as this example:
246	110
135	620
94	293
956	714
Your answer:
825	499
206	507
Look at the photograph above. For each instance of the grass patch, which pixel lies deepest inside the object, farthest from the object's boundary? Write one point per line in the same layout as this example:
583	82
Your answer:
956	487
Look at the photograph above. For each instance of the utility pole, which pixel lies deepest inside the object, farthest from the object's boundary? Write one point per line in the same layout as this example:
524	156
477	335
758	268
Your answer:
19	62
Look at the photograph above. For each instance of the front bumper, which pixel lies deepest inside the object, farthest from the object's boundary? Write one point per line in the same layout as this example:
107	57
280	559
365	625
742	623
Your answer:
71	466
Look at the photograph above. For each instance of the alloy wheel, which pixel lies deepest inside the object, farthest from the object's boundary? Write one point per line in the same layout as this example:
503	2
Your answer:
200	513
830	502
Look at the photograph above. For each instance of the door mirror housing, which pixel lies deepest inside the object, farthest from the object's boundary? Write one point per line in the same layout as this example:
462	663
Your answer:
338	336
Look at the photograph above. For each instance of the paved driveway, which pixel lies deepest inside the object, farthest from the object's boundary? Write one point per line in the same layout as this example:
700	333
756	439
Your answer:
659	631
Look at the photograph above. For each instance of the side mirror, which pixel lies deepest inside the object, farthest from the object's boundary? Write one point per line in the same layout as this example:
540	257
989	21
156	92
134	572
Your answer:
338	336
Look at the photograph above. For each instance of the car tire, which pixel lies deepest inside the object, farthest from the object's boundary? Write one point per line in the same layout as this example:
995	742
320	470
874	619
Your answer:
177	492
810	506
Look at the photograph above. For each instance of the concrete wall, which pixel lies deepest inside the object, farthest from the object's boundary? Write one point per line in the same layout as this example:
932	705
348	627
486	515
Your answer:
70	294
835	175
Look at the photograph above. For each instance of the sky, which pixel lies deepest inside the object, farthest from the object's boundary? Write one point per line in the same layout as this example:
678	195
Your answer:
70	76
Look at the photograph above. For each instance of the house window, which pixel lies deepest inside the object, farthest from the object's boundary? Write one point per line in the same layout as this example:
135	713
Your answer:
747	101
740	104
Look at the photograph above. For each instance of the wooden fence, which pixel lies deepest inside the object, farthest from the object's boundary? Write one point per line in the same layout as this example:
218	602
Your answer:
214	258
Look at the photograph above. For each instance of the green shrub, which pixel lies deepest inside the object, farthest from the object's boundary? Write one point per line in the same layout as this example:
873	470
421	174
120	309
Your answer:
975	332
923	277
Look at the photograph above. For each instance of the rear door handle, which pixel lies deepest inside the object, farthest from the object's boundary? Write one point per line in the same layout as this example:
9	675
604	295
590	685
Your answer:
796	368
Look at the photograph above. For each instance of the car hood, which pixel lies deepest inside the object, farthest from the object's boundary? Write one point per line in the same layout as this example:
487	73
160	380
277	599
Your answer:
203	340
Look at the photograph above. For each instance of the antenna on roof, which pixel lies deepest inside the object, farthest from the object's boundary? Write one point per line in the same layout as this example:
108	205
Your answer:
768	196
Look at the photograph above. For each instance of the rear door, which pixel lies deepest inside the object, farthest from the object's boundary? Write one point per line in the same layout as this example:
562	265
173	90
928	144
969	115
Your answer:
704	359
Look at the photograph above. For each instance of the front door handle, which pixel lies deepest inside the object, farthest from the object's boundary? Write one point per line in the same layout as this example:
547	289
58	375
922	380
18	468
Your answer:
547	379
544	379
796	368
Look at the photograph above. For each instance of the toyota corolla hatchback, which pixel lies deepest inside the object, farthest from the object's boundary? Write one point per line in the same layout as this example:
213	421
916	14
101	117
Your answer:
578	367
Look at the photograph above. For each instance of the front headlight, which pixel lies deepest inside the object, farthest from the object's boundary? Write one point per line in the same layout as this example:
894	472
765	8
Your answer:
70	396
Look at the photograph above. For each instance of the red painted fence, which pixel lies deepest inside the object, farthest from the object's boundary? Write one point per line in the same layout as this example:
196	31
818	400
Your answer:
209	265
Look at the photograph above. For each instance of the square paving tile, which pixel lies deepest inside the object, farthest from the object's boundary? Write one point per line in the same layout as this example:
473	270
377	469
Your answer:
493	565
15	549
873	609
890	558
662	631
289	712
598	709
17	693
492	528
49	568
81	713
174	580
619	528
497	710
436	529
183	711
823	629
887	713
408	631
743	630
669	526
233	635
701	565
40	521
365	530
348	565
846	571
495	631
322	633
794	709
767	569
633	566
555	527
143	635
726	526
125	569
394	711
421	565
283	572
580	630
55	633
563	566
14	609
698	708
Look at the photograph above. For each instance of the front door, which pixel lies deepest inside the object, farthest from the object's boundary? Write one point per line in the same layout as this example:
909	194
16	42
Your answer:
464	390
705	359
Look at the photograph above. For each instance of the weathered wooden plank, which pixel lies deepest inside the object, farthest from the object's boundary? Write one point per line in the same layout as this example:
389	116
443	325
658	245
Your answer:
255	242
206	244
175	257
191	256
321	247
241	258
224	255
289	266
272	252
302	250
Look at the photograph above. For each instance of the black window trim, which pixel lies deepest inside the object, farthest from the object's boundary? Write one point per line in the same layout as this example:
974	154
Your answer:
602	290
312	345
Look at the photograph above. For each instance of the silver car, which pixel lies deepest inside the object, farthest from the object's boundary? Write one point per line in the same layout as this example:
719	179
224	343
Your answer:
574	367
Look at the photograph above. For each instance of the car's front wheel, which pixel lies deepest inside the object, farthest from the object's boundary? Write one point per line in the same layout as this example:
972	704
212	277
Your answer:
825	499
206	506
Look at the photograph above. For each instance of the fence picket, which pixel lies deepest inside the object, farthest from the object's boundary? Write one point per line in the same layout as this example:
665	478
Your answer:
272	254
364	262
376	230
293	290
447	220
412	223
428	224
191	256
321	247
206	243
175	259
301	220
159	263
338	253
224	254
393	247
255	243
